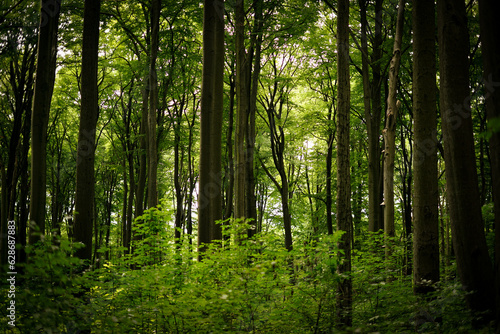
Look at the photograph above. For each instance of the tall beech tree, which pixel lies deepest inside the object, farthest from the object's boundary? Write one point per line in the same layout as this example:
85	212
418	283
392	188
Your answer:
85	181
44	87
210	192
490	43
425	205
344	218
473	261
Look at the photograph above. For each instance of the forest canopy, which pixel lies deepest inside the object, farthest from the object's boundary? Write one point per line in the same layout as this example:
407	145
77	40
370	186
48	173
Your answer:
253	166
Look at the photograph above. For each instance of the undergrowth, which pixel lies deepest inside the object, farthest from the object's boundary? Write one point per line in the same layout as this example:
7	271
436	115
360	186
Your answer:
252	286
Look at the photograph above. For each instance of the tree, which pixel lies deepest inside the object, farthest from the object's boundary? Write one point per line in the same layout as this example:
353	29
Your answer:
153	102
490	43
473	262
44	87
344	218
210	194
425	212
276	101
19	48
85	185
390	128
373	111
241	111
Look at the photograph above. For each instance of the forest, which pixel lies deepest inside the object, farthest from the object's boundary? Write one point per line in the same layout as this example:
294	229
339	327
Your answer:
250	166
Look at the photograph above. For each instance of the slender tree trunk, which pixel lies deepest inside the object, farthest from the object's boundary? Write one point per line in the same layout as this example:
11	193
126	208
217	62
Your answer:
143	153
473	262
344	218
125	200
229	204
153	103
179	196
24	185
255	52
390	128
426	197
329	176
376	220
44	87
241	111
372	117
84	196
216	122
490	43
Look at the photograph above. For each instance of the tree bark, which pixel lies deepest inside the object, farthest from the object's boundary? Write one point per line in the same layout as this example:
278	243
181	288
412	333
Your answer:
376	220
426	197
241	111
372	117
253	76
216	122
210	195
153	103
44	87
490	43
390	128
329	177
344	218
473	262
85	184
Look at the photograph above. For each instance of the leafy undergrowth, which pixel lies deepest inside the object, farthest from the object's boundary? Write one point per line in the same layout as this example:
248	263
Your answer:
253	287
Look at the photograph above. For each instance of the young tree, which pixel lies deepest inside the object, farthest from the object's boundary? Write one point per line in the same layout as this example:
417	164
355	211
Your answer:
390	127
44	87
276	104
373	111
85	184
473	262
425	205
344	218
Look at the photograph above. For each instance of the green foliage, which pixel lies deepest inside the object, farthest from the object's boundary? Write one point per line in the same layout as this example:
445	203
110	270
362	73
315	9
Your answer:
252	285
242	285
50	291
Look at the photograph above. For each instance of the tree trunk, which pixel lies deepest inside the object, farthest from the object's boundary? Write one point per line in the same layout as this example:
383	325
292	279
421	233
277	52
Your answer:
84	196
473	262
229	191
390	128
44	87
216	122
255	52
241	111
376	220
344	218
490	43
426	197
490	34
210	196
372	117
153	103
329	176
